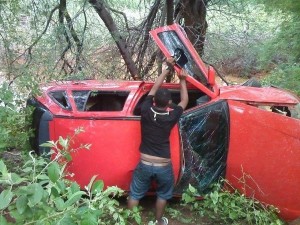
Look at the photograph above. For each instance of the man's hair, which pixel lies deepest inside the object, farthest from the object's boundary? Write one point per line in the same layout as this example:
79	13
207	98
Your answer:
162	97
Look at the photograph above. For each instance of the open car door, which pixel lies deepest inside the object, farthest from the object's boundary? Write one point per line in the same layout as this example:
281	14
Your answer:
172	40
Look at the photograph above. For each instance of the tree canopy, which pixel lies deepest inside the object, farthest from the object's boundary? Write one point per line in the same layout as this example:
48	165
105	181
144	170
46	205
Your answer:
57	39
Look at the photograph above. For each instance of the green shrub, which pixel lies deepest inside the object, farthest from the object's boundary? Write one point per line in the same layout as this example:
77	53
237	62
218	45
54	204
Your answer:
42	195
14	132
226	207
285	76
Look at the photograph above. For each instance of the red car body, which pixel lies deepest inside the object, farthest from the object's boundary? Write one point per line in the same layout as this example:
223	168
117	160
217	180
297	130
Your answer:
232	132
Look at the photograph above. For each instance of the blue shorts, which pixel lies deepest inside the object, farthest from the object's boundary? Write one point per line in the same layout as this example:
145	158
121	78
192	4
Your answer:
143	176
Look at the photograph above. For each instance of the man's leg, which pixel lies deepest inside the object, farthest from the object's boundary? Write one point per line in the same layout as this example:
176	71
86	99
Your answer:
160	209
132	203
139	185
165	186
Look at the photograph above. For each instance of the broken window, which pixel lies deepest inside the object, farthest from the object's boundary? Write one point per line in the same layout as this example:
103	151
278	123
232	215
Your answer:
99	101
204	133
195	98
171	41
80	98
289	111
61	99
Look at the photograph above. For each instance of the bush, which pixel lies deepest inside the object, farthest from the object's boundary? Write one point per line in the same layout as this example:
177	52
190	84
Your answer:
40	194
14	131
286	76
226	207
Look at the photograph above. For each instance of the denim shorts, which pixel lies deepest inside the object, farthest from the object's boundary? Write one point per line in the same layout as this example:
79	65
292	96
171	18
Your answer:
143	176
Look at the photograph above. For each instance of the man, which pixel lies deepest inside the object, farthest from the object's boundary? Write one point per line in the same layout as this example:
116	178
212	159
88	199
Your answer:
157	120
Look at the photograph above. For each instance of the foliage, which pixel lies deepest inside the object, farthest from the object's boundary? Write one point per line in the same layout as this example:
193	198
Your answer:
236	35
285	76
226	207
243	37
42	195
287	6
14	131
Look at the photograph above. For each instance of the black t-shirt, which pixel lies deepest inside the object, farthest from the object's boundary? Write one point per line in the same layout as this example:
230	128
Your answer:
156	127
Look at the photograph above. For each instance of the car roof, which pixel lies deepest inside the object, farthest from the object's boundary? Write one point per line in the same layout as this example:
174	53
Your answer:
91	84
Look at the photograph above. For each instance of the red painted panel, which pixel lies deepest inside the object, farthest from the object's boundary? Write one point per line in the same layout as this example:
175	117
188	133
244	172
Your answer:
258	95
114	152
264	157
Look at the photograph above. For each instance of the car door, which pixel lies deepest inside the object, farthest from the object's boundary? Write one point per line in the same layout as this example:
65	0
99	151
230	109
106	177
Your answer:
204	133
171	38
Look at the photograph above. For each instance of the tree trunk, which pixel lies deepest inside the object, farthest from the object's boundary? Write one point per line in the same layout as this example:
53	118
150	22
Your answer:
194	14
170	11
104	14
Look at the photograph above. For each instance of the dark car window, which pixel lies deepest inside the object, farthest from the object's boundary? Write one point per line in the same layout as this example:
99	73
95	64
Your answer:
204	133
194	97
80	98
61	99
171	41
100	100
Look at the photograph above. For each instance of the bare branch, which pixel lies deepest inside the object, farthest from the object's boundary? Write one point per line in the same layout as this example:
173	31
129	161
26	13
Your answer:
123	14
102	11
29	49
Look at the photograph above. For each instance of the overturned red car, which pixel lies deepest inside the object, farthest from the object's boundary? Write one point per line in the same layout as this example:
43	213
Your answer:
247	135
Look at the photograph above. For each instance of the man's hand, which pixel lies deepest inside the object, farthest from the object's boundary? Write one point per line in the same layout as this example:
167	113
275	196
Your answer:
183	74
170	61
159	81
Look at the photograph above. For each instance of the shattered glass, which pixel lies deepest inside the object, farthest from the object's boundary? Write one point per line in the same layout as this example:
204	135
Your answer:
204	133
171	41
80	98
61	99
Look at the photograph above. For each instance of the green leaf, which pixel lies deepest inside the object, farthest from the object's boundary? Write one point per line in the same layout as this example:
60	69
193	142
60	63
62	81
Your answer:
54	172
3	168
59	203
50	144
63	142
89	187
21	203
89	218
67	220
97	186
3	221
27	169
16	179
5	198
192	189
54	192
68	156
74	198
43	177
36	191
61	185
74	187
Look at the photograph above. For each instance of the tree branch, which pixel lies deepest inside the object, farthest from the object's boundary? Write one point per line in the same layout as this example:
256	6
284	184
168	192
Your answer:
102	11
29	49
